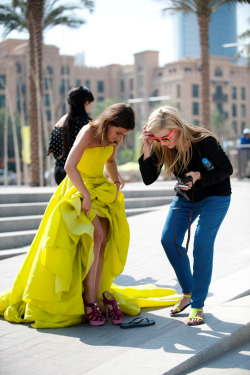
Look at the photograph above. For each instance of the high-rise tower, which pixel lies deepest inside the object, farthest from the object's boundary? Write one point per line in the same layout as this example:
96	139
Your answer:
222	30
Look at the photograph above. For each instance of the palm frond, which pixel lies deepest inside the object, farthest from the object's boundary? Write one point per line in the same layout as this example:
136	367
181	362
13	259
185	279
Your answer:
12	19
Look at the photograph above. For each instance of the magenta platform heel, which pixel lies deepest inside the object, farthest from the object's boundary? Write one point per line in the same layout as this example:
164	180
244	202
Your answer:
111	308
95	318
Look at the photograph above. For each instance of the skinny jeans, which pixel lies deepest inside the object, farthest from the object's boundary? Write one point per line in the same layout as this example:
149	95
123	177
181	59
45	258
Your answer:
211	212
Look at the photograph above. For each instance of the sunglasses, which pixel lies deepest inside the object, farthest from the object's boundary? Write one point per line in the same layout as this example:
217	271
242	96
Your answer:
163	139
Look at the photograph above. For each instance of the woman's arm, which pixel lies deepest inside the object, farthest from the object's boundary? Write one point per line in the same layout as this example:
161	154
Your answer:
147	161
222	166
111	168
82	141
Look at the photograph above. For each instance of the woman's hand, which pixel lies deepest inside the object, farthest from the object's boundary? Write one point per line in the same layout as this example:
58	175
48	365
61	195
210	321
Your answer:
147	142
118	185
195	176
146	139
122	183
86	203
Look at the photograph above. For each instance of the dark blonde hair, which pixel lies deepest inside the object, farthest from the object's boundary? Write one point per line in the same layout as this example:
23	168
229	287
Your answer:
169	118
118	115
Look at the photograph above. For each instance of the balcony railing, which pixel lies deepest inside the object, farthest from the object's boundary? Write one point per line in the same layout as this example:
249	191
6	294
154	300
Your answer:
220	97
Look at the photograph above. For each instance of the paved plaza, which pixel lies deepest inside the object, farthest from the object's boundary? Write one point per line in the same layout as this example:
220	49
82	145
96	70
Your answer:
220	346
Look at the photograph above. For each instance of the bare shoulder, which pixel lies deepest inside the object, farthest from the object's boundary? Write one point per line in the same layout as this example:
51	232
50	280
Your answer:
61	122
87	133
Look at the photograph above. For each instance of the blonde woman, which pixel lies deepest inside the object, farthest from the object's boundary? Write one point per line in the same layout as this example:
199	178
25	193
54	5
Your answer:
181	148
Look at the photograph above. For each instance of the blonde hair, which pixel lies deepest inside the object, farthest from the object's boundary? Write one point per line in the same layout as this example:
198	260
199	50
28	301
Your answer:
175	160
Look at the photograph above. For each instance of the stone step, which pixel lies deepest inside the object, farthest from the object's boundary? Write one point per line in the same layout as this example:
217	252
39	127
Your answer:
19	223
22	209
14	240
28	209
32	195
20	231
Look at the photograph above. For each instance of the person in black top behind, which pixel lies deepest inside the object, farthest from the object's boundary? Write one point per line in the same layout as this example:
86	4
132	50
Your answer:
64	133
180	147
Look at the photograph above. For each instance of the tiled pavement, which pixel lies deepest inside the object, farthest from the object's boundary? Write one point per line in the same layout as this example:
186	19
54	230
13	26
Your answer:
169	347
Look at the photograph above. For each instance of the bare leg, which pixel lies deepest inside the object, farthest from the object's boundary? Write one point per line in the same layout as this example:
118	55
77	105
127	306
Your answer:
105	226
90	286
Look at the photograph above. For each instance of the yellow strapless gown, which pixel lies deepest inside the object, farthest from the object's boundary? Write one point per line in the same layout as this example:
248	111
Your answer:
48	287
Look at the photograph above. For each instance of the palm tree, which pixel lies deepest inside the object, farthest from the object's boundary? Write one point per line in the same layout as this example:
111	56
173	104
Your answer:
35	16
203	10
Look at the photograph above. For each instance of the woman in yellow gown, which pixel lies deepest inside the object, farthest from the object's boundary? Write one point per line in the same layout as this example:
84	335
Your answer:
82	242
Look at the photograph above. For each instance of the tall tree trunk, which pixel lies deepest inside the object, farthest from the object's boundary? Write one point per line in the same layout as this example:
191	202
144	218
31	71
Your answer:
5	135
205	72
34	13
15	142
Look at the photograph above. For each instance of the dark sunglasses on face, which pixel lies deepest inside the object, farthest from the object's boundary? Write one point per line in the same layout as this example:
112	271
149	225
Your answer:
163	139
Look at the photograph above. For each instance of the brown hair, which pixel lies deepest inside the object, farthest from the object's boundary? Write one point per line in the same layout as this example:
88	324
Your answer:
118	115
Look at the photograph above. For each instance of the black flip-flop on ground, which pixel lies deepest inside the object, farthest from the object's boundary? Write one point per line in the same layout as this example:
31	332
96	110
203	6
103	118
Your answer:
138	322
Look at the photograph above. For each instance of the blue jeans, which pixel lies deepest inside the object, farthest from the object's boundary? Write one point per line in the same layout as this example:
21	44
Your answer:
211	212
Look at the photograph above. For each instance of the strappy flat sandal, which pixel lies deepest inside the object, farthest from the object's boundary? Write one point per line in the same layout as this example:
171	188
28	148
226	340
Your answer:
176	307
199	319
112	308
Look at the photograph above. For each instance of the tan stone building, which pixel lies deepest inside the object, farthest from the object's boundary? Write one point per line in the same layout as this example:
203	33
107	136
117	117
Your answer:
177	83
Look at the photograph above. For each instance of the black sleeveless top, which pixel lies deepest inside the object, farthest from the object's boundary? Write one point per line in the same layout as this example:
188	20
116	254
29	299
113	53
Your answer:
56	140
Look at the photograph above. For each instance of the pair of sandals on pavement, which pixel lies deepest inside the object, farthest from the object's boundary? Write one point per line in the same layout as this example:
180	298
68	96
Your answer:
195	318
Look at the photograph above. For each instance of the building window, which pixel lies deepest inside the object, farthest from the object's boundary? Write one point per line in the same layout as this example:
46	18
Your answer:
87	83
196	122
49	70
64	86
100	99
47	83
48	115
47	100
218	72
219	90
234	110
2	101
219	107
234	93
187	69
243	125
195	91
122	85
195	108
243	93
18	67
2	82
100	86
78	82
234	126
243	110
178	89
65	70
131	84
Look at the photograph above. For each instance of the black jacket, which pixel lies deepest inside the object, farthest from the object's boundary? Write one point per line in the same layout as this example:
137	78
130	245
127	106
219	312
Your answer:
215	182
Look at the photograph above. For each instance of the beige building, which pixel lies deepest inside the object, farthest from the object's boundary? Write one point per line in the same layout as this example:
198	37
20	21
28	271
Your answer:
177	83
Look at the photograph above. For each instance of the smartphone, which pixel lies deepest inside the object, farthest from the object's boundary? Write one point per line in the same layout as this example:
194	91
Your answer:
182	185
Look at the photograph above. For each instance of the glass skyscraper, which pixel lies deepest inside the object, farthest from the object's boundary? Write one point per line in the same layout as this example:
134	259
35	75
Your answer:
222	30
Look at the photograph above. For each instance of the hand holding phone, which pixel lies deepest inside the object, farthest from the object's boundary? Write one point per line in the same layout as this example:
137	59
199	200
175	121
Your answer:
182	183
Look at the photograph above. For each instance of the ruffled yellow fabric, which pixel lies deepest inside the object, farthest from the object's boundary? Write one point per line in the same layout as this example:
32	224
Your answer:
48	287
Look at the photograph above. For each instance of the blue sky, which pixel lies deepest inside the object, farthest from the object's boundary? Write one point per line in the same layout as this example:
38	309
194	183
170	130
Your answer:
118	29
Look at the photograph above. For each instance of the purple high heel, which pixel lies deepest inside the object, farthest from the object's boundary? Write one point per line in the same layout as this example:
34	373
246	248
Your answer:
111	308
94	317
